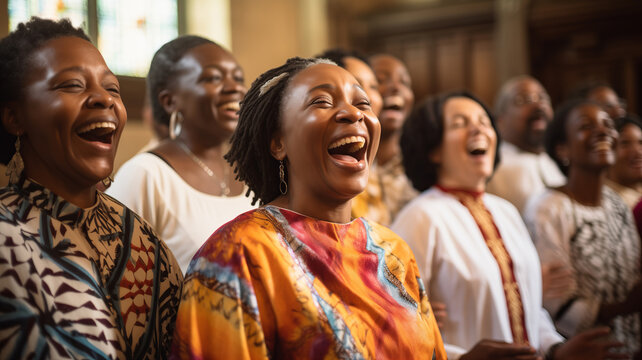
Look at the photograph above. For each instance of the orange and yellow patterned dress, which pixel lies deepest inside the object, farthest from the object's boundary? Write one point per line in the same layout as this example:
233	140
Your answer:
276	284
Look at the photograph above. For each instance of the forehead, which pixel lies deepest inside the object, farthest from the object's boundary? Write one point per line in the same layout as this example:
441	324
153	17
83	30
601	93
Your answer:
388	64
321	74
587	111
603	93
67	51
462	105
527	86
355	65
207	55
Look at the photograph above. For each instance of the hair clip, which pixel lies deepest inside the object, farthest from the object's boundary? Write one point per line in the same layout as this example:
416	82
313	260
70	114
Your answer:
271	83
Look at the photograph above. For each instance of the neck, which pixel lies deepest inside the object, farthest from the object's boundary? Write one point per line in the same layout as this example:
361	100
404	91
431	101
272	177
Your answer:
388	147
336	213
83	196
585	186
618	180
533	149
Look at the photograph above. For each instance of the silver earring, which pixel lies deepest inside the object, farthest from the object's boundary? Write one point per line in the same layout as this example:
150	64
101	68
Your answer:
15	165
283	185
175	124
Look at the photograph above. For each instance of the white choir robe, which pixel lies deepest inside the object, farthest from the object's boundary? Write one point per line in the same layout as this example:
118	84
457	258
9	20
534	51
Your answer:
459	270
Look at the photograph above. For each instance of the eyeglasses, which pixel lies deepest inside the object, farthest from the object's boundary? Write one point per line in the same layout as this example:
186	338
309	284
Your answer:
533	98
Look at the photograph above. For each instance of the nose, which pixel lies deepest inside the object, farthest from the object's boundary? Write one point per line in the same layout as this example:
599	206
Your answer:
232	85
350	114
100	98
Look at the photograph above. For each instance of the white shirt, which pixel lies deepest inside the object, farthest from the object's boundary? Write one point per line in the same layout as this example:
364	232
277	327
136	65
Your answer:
181	215
522	174
458	269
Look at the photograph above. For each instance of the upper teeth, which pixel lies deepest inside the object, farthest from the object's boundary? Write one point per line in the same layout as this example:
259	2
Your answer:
348	140
478	145
602	145
392	101
234	105
96	125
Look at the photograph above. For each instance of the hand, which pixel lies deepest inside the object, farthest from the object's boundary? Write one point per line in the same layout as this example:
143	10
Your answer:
439	309
590	344
557	280
491	350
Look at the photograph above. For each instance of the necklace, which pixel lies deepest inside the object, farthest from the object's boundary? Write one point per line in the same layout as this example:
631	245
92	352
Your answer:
225	190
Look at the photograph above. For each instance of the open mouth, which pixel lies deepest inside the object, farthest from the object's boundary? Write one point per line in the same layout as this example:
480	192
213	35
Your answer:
477	147
603	145
99	131
393	103
349	148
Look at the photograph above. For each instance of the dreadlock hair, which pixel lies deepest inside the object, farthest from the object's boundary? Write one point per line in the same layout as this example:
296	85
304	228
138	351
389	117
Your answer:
338	56
556	131
15	60
163	69
423	133
259	119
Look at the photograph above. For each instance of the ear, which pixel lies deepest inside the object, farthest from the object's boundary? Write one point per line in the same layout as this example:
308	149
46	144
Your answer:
277	146
167	101
435	156
10	120
563	152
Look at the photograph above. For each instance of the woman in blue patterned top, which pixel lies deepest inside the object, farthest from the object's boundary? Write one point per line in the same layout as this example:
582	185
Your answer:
81	275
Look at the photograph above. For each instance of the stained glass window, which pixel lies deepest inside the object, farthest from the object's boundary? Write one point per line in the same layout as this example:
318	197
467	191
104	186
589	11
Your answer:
23	10
130	32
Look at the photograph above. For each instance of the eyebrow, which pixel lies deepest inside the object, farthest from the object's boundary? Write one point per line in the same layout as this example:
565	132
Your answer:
81	69
332	87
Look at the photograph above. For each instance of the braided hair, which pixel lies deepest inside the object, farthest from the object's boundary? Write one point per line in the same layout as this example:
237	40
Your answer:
259	116
423	133
15	55
163	69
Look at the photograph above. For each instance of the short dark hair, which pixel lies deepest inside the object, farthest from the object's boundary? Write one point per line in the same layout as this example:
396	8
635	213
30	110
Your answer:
258	120
556	130
423	133
628	119
162	70
15	53
338	56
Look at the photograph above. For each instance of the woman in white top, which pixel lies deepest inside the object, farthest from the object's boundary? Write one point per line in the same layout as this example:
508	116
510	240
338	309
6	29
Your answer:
472	248
183	186
587	227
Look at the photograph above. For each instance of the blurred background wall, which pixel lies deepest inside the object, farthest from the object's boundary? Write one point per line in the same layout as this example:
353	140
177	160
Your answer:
447	44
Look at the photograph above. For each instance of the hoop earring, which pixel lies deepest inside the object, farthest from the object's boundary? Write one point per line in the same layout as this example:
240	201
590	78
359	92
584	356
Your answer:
283	185
175	124
15	165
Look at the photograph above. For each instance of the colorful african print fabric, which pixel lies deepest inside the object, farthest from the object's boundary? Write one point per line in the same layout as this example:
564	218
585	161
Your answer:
276	284
78	283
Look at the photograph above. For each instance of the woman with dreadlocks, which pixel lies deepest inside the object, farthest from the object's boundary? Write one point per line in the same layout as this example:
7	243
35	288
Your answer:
298	278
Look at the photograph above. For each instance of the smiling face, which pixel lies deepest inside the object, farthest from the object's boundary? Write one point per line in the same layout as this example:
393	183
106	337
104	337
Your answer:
364	75
329	135
70	114
627	169
591	137
396	92
207	90
527	114
467	153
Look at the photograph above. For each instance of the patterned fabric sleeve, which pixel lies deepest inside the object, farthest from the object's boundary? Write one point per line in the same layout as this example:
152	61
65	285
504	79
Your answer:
549	220
218	317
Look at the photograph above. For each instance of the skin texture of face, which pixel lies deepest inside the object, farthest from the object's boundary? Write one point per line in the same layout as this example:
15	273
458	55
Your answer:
591	137
70	117
366	77
324	106
396	92
467	152
207	90
627	169
527	114
608	99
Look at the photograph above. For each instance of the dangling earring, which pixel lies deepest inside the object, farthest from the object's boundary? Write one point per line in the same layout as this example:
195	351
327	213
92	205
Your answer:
175	124
15	165
107	181
283	185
